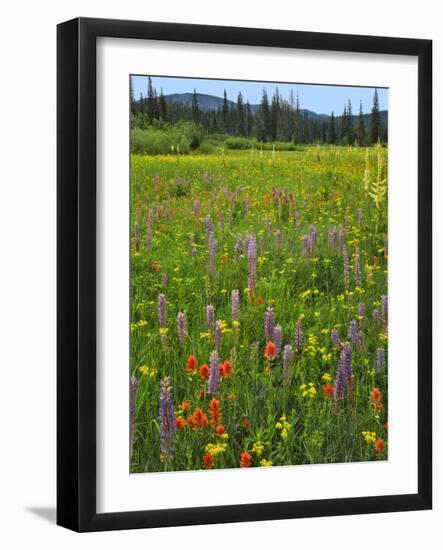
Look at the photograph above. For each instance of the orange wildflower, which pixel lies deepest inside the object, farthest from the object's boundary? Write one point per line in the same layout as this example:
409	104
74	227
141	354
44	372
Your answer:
226	369
270	351
214	411
186	406
259	301
328	390
245	460
155	266
198	419
232	397
379	446
180	423
376	396
204	371
245	423
208	461
191	364
220	429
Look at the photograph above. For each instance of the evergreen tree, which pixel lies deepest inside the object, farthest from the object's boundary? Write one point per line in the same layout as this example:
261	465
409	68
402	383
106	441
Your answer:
241	130
361	132
350	125
163	107
332	133
225	112
266	117
194	108
152	106
375	119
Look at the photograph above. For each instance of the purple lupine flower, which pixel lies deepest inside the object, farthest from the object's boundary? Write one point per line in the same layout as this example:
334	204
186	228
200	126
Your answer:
361	309
214	373
335	338
380	359
235	305
357	268
168	424
341	240
252	262
162	310
218	334
269	324
181	327
384	309
238	245
333	237
305	245
278	239
312	239
298	335
277	339
288	355
344	372
208	225
137	236
261	244
270	228
345	265
210	317
354	334
197	209
376	316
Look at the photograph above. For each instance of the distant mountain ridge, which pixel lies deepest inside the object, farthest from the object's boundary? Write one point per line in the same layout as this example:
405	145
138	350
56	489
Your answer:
208	103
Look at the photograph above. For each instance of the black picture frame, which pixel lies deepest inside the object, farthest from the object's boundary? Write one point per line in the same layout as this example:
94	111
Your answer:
76	279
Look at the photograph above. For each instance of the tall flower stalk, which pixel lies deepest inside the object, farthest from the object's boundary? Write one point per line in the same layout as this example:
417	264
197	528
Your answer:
252	263
214	373
167	420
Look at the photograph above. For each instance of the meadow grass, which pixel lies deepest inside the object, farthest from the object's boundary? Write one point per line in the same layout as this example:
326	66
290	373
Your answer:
281	198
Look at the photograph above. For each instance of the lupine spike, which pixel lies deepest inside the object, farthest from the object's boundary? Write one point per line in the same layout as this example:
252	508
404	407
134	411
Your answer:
168	425
269	324
277	339
214	373
298	335
181	326
162	310
210	317
235	305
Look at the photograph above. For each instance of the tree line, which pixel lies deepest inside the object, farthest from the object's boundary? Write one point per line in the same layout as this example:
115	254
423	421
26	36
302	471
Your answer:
275	119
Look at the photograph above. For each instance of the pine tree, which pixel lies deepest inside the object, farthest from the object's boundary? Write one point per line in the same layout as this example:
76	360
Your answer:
351	137
375	119
163	107
225	112
266	116
194	107
152	106
240	116
332	133
361	132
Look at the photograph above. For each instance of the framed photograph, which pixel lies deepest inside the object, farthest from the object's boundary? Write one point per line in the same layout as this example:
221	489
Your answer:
244	274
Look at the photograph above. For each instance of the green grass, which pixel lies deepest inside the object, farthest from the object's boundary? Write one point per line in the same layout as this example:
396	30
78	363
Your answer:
326	187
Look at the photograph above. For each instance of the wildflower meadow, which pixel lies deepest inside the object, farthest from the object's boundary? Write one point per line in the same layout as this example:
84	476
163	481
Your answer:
259	310
259	269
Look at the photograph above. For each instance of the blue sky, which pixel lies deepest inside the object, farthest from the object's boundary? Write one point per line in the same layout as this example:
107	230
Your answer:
317	98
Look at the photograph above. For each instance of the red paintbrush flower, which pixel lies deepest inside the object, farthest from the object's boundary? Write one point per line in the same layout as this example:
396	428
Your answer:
328	390
208	461
214	411
204	371
191	364
226	369
270	351
245	460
